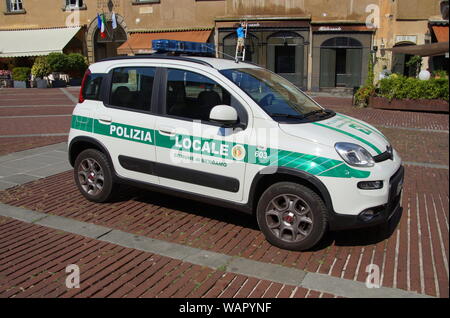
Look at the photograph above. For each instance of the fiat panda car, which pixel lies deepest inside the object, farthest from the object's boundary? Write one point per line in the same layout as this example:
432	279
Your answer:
234	135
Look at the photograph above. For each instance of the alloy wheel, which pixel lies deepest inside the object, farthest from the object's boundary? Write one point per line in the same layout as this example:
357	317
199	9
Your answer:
289	218
91	177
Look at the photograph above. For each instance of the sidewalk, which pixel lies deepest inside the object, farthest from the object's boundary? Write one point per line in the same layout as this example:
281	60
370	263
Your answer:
32	164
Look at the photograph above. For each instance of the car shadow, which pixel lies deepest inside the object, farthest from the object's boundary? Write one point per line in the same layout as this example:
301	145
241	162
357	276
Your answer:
357	237
186	205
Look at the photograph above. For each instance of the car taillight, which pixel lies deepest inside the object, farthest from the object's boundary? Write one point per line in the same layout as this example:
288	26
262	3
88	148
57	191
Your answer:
81	97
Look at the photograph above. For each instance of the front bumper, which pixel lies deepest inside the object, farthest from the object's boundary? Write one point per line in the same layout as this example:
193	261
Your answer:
384	212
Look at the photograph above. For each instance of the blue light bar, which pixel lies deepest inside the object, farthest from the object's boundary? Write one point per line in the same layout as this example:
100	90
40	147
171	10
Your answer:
197	48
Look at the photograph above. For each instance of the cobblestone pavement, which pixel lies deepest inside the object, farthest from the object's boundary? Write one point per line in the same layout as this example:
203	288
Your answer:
412	251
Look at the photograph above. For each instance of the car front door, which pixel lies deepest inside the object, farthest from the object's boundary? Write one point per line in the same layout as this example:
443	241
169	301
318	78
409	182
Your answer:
193	153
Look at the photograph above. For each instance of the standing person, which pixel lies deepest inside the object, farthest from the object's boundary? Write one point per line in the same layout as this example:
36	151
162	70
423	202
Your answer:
241	36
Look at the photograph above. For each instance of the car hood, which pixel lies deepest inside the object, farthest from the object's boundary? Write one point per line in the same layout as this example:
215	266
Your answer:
340	128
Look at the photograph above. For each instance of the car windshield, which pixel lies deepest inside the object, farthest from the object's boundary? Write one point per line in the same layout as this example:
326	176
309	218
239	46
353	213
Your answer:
275	95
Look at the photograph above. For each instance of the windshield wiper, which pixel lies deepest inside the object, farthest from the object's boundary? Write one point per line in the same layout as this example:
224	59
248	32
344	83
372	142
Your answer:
286	115
314	112
324	111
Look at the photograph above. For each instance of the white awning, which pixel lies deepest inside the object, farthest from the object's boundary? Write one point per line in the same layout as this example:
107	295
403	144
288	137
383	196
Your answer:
35	42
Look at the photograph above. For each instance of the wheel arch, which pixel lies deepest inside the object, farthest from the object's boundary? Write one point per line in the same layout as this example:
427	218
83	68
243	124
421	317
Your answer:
264	180
81	143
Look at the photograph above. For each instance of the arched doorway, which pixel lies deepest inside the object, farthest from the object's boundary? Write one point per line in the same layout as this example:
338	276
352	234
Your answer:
285	56
100	48
107	47
400	61
340	62
251	46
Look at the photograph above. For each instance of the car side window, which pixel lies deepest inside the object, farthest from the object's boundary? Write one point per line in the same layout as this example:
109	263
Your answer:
91	88
131	87
191	95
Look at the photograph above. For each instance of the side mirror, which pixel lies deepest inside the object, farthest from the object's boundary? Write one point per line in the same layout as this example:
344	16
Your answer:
225	115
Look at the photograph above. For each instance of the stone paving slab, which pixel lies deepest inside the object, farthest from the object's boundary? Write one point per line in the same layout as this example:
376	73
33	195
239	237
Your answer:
51	170
19	178
33	164
5	185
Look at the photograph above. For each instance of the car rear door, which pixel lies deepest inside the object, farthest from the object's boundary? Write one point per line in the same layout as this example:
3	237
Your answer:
126	122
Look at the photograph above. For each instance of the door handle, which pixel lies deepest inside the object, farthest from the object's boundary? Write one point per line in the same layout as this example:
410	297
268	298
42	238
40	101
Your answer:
167	131
105	119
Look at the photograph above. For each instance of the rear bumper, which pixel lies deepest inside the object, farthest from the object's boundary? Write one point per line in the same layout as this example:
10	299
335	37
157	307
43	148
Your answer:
383	213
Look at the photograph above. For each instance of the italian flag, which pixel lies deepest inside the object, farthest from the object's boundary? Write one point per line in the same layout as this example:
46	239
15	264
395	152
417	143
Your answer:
101	23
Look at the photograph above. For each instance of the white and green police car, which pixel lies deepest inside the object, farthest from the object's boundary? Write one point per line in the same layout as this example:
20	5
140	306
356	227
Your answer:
234	135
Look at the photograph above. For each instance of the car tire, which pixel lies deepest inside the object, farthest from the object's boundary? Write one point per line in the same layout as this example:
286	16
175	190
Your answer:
287	207
93	176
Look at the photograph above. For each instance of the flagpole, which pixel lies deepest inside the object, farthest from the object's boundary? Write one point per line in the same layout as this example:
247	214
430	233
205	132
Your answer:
106	25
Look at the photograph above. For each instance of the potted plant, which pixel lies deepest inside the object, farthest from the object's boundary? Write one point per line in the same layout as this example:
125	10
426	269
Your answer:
438	74
76	66
40	70
58	64
20	76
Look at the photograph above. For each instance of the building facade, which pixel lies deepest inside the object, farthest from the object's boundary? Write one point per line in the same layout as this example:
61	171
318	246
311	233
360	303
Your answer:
409	23
317	44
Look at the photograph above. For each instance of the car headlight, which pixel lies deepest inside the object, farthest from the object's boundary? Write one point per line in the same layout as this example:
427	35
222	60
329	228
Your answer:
354	154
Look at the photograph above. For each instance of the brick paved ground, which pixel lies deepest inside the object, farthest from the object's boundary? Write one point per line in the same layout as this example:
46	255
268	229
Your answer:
9	145
33	112
387	117
419	146
412	256
33	260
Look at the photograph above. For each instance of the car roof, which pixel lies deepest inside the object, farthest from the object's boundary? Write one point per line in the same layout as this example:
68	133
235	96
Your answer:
222	64
216	63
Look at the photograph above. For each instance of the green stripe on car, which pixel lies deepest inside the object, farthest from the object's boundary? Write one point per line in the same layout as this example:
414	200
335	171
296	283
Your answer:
363	124
315	165
351	135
